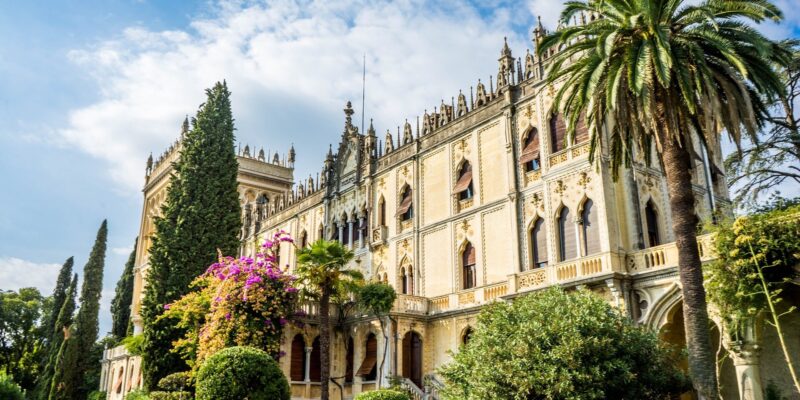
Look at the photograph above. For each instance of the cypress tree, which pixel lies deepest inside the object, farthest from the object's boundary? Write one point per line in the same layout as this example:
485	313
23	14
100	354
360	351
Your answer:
52	376
201	214
59	296
77	350
121	304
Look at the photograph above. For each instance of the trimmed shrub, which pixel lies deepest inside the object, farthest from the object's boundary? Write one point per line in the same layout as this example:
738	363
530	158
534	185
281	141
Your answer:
236	373
177	395
137	394
9	390
177	382
383	394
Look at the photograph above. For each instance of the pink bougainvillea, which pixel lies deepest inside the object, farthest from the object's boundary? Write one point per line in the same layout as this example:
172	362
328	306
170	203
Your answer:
241	301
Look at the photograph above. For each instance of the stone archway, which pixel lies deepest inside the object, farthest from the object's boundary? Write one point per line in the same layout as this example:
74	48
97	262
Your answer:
412	357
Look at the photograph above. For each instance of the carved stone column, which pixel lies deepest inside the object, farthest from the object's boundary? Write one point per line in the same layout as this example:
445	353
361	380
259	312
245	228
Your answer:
746	355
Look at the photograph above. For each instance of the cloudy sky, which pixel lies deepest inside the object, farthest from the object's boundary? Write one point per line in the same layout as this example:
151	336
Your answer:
88	89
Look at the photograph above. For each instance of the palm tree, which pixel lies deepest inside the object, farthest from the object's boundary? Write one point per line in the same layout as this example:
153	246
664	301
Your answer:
323	274
660	72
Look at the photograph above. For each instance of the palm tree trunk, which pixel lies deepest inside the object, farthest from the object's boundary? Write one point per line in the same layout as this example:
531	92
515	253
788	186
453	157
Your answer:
324	343
702	367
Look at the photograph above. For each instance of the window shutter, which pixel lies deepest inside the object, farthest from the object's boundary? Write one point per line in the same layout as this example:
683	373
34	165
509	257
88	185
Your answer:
405	204
540	244
591	229
531	150
566	232
298	361
558	133
315	362
581	130
463	181
371	357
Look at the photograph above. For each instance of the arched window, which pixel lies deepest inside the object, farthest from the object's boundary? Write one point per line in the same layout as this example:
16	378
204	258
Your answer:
303	239
345	230
464	184
403	280
406	209
321	232
651	217
567	248
407	279
348	374
297	370
382	212
558	133
538	244
590	229
467	336
530	158
363	229
468	266
314	373
369	368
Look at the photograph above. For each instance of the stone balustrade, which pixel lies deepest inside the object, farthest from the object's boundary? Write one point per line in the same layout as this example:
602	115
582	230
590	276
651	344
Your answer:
666	255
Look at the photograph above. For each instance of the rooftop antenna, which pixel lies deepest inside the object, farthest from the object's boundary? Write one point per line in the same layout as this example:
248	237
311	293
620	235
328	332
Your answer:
363	90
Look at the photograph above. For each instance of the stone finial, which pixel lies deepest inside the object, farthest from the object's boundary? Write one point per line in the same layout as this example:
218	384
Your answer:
261	156
408	136
276	159
149	167
348	113
328	160
371	130
462	105
292	155
426	123
481	94
185	126
529	62
389	142
246	152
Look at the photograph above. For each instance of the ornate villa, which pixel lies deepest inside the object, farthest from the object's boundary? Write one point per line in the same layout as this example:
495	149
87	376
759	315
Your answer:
481	200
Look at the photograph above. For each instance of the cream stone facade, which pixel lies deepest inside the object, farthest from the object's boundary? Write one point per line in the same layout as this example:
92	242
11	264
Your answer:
484	199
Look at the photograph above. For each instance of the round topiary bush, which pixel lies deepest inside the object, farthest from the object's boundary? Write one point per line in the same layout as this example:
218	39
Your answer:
383	394
236	373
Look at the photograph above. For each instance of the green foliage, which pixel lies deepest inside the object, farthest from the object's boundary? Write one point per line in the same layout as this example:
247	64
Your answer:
9	390
134	344
236	373
97	395
200	215
557	345
178	395
121	304
21	338
137	394
383	394
733	279
322	268
377	298
177	382
62	325
59	297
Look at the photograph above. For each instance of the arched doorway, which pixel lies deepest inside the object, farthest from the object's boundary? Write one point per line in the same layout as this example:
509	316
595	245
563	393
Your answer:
412	358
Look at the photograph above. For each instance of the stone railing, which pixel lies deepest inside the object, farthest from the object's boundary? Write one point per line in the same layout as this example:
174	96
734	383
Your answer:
439	304
571	153
564	272
494	291
408	304
413	390
465	204
379	235
532	176
406	225
666	255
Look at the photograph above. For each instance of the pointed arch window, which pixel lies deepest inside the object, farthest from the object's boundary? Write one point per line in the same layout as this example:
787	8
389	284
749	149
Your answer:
464	188
382	212
590	229
314	371
345	230
567	246
303	240
530	158
297	369
651	218
538	244
363	228
349	359
369	367
581	130
467	336
558	133
468	266
407	279
406	209
321	232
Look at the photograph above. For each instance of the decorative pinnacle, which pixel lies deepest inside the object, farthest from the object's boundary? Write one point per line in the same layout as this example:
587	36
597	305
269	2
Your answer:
506	50
348	112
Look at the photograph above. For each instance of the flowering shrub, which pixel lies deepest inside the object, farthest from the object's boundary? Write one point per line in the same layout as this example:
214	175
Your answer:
239	302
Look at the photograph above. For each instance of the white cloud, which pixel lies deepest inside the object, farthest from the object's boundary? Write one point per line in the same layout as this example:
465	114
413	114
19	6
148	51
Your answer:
122	251
16	273
290	67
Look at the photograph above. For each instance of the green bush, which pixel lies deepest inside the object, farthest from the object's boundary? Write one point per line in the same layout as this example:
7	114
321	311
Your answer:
97	395
177	382
557	345
9	390
236	373
383	394
137	394
177	395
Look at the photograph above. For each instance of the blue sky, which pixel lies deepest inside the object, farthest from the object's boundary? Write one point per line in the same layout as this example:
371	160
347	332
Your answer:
89	88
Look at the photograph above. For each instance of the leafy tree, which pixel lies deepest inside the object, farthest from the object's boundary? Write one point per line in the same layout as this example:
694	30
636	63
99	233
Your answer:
202	190
557	345
58	298
378	299
20	336
121	304
383	394
9	390
664	72
322	271
60	329
773	157
757	269
80	356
